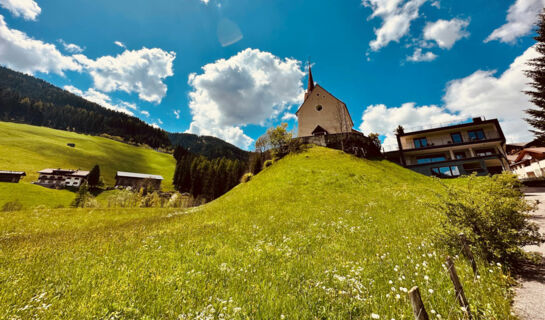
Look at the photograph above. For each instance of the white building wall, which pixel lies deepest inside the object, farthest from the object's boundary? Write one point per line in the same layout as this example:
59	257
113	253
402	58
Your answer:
534	170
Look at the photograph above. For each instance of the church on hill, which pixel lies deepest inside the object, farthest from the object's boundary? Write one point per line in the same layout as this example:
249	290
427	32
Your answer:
321	113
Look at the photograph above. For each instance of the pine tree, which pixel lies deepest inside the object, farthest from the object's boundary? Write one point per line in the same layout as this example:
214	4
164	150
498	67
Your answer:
537	75
94	176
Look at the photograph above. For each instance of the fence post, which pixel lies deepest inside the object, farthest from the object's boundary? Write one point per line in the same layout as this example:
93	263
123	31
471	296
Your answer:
469	255
458	289
418	307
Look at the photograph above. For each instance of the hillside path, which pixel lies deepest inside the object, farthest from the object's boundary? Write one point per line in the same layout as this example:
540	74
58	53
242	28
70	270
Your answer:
530	295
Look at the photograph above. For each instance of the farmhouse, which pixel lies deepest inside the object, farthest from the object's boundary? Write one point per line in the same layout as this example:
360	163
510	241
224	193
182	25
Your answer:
11	176
321	113
60	178
137	180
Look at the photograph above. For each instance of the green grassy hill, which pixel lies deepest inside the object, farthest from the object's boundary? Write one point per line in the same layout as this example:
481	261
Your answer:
30	149
318	235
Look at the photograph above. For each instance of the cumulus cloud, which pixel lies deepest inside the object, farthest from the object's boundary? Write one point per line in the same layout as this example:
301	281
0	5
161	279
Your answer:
484	93
248	88
20	52
141	71
396	16
70	47
521	17
479	94
383	120
28	9
101	99
446	32
289	116
418	56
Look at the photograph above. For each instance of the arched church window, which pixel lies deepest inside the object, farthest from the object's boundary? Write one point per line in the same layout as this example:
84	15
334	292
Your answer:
319	107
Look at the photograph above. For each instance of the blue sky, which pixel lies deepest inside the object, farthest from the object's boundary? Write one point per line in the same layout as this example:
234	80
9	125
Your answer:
232	68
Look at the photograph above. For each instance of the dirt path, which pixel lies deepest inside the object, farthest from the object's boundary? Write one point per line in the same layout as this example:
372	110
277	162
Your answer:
530	296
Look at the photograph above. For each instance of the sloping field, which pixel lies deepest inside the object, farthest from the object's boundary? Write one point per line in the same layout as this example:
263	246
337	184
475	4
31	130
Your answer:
319	235
30	149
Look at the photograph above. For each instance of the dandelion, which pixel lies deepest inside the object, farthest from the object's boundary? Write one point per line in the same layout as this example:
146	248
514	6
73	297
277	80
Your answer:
375	316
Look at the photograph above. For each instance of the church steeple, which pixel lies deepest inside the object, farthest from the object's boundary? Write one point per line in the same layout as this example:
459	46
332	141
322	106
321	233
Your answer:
310	86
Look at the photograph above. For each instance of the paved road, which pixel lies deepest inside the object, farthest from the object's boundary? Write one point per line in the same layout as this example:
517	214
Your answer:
530	298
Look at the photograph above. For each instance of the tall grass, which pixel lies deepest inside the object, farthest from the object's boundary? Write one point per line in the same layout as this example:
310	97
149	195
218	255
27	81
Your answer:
316	235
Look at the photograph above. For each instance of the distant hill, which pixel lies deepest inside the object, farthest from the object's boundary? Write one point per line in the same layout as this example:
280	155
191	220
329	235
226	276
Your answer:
26	99
210	147
30	148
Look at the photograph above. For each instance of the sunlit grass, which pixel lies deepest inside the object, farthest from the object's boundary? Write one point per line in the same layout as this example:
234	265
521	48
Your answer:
317	235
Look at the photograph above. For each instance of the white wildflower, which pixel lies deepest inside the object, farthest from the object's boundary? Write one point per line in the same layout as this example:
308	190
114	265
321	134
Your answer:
375	316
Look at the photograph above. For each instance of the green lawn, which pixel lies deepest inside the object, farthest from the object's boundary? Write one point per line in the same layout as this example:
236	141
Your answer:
319	235
31	149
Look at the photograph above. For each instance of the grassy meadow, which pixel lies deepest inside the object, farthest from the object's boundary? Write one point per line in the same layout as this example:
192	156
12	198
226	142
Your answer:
318	235
31	149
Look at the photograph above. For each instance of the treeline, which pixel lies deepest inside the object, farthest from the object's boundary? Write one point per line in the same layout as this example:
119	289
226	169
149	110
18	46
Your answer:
204	178
210	147
29	100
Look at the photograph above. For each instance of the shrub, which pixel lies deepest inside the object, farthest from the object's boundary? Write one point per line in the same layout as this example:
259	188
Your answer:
12	206
492	214
267	163
246	177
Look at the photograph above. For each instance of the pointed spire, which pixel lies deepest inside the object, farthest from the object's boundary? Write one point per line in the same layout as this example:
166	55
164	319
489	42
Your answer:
310	80
310	86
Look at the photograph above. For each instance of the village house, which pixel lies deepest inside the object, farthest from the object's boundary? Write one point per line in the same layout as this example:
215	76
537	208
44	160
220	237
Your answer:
11	176
136	181
453	150
61	178
529	164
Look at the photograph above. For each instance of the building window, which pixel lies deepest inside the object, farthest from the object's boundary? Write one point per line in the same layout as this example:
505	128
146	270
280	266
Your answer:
319	107
456	137
484	152
446	172
430	159
420	143
476	135
459	155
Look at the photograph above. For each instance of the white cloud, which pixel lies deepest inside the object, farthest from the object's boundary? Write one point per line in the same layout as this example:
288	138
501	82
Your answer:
248	88
141	71
383	120
436	4
205	1
146	113
159	120
155	125
446	32
177	114
418	56
70	47
120	44
479	94
483	93
396	15
289	116
28	9
521	17
101	99
22	53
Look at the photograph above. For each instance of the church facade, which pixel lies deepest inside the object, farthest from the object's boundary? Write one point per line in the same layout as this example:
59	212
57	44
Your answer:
322	113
